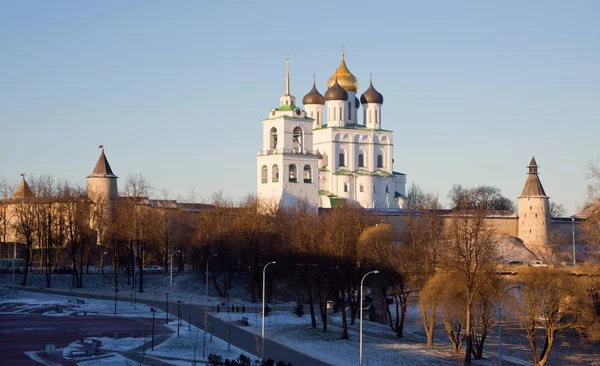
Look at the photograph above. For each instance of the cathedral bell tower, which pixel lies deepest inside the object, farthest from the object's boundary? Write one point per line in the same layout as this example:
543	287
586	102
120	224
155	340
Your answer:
287	166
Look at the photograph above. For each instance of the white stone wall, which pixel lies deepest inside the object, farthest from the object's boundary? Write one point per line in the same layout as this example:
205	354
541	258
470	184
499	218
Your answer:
315	111
102	189
534	219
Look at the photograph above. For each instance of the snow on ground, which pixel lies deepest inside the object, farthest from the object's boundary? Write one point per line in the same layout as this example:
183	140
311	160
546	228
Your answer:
113	359
186	287
27	302
189	345
296	332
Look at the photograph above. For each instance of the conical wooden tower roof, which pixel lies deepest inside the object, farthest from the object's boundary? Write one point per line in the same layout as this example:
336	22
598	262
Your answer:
102	169
533	185
23	190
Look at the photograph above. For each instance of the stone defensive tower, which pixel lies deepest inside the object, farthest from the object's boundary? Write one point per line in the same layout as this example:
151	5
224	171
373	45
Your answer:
533	209
102	183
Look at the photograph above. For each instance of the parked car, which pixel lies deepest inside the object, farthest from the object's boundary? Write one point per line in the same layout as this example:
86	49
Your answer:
537	264
154	269
64	270
515	263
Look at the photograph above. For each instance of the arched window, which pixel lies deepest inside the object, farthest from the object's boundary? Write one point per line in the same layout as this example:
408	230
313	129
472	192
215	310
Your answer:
361	160
374	189
362	188
293	173
275	173
341	115
341	160
273	139
318	119
298	140
264	172
380	160
387	189
345	187
307	174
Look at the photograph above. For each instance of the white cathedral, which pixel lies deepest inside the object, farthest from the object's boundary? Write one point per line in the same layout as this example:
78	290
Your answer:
323	155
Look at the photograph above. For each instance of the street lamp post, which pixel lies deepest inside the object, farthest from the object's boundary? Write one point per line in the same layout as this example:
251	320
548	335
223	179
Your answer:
573	231
262	352
167	311
206	303
500	322
178	316
189	315
116	291
153	310
171	280
361	313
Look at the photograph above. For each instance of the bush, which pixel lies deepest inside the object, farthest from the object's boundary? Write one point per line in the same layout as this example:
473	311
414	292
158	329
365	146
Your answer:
299	309
215	360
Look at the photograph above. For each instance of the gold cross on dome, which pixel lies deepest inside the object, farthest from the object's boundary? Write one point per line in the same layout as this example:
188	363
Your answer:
343	47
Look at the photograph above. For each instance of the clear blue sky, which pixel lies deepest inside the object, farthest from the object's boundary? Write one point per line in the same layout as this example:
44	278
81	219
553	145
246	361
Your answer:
175	90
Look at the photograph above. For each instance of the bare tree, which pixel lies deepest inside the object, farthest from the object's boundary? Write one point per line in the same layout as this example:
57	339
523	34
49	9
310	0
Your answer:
471	250
481	196
557	210
5	193
451	301
551	300
344	225
24	225
377	248
484	311
134	227
429	300
304	234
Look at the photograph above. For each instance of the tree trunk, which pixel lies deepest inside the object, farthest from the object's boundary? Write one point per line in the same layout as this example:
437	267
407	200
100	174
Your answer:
344	320
311	305
322	304
27	261
469	347
549	340
141	267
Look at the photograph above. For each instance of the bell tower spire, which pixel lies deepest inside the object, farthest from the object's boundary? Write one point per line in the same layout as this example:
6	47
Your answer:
287	76
287	99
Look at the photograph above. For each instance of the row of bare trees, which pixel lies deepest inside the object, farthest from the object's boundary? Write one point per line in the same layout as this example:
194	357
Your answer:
446	259
55	222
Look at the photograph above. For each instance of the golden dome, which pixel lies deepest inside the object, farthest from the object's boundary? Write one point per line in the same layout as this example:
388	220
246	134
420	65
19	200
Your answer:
344	78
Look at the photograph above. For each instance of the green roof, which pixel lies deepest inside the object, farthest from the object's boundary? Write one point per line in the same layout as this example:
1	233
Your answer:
351	127
398	195
337	201
290	107
378	173
323	192
398	173
323	169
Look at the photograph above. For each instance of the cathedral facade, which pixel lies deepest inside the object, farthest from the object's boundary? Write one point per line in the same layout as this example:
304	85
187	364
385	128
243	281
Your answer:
331	151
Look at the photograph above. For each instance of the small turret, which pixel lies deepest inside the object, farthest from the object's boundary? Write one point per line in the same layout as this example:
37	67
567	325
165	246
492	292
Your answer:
23	190
313	104
102	183
372	100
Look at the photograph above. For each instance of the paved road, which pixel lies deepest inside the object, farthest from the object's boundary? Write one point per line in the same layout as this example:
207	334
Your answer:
32	332
238	336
